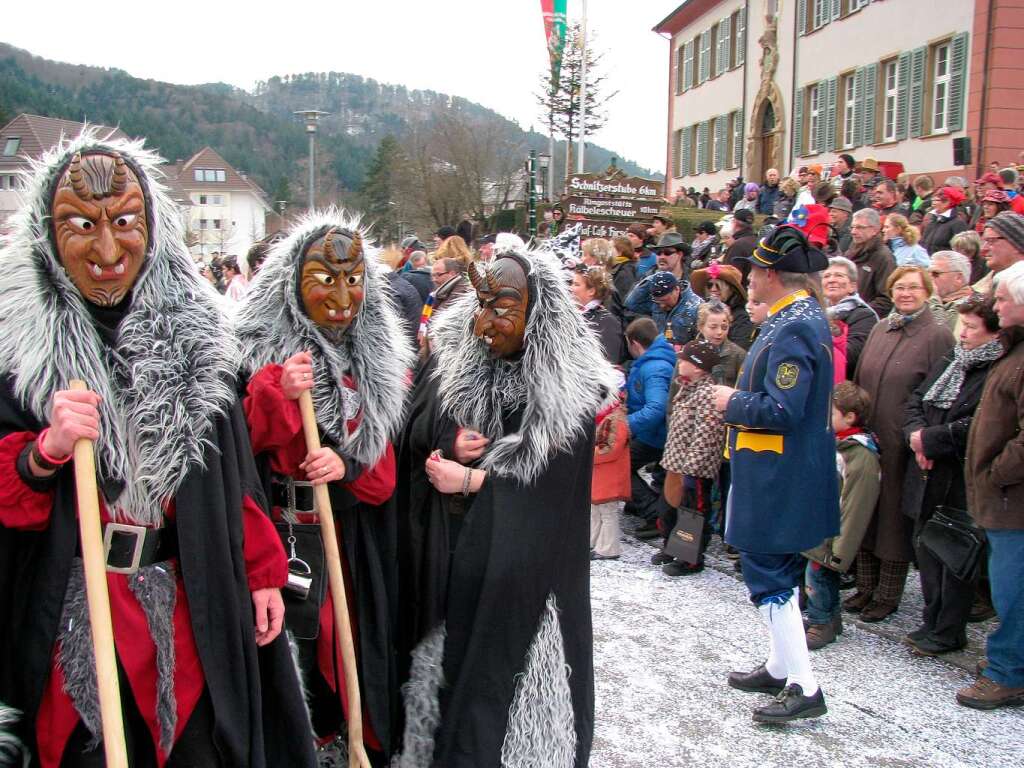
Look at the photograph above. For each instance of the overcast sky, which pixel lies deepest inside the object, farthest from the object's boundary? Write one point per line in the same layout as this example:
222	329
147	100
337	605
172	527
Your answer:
488	51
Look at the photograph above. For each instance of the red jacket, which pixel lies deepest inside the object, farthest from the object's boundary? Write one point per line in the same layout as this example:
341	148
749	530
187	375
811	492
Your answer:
611	459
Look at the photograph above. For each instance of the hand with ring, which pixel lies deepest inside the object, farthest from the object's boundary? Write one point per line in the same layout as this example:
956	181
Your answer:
323	466
297	375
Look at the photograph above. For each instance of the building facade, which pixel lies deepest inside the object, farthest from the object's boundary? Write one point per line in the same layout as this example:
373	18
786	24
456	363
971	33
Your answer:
758	84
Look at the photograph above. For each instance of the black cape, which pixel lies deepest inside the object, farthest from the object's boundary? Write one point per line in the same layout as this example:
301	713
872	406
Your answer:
516	546
368	535
260	718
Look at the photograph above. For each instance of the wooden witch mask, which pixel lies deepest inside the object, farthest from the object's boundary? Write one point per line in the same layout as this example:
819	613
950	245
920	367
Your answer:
331	280
503	291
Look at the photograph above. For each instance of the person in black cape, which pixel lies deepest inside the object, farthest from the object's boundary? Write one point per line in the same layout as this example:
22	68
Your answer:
98	285
495	544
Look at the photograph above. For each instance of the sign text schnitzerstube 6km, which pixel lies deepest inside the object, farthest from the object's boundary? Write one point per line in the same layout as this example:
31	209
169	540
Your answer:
607	205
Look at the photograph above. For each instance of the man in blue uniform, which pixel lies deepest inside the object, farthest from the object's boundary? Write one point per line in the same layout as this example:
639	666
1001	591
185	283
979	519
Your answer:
784	497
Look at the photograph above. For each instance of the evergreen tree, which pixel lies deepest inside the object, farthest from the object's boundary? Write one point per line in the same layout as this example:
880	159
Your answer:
377	195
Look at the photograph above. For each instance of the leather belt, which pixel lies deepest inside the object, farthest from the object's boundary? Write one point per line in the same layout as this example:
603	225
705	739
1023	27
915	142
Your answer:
293	495
126	548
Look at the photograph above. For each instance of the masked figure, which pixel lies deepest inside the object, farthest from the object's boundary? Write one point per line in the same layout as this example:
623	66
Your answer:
98	285
318	317
495	472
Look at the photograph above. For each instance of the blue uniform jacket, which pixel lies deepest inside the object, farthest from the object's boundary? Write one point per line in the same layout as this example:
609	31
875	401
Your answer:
647	393
785	496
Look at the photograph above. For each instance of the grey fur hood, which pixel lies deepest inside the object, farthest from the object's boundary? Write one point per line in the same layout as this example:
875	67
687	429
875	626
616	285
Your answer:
272	326
171	371
561	379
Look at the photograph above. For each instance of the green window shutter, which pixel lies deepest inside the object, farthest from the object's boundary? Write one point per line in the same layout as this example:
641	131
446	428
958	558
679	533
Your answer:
822	115
957	81
705	56
688	65
724	34
858	118
684	151
902	93
737	139
830	114
721	136
674	155
703	161
680	87
741	35
837	9
915	109
798	123
801	16
870	87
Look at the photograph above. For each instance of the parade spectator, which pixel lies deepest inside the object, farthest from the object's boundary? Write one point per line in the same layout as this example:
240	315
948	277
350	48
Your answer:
744	240
995	498
986	183
235	281
769	192
670	255
645	258
951	274
622	268
859	472
693	450
419	274
968	243
944	221
885	199
786	199
1002	245
840	212
993	203
702	247
921	203
557	220
720	202
713	323
824	194
675	308
661	225
598	252
406	297
750	196
465	230
870	173
1009	178
839	287
705	197
874	260
809	182
484	248
842	170
444	233
721	282
899	353
646	401
938	418
902	239
610	483
456	248
590	288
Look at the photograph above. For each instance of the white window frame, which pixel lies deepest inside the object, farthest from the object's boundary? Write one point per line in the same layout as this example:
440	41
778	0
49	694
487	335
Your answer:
814	117
856	5
11	146
692	62
849	109
822	13
891	80
940	88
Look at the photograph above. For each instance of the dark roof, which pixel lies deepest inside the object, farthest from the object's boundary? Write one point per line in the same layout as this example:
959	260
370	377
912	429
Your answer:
40	134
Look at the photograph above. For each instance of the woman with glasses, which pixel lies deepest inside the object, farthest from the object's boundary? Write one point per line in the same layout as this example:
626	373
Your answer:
899	353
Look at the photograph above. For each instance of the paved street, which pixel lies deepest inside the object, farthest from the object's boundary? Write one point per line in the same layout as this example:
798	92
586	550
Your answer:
664	646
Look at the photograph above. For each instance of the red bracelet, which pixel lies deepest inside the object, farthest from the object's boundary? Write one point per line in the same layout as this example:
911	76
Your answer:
46	457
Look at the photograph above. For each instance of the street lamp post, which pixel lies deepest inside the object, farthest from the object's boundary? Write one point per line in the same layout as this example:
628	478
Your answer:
544	176
281	205
531	172
311	117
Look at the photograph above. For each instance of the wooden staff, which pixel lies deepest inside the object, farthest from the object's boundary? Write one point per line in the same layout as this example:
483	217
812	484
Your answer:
357	757
94	564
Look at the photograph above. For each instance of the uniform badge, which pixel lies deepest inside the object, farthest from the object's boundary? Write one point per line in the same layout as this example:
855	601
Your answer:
786	375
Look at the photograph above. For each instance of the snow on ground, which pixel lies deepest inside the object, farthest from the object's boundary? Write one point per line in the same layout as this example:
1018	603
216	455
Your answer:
664	646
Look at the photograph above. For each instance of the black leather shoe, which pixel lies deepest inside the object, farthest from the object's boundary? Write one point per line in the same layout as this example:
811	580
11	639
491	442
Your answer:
931	646
791	704
757	681
648	532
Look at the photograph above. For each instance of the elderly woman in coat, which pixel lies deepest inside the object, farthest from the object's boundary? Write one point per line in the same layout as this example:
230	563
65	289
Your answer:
899	353
939	415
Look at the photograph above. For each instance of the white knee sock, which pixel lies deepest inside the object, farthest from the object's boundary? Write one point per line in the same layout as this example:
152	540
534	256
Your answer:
775	665
790	643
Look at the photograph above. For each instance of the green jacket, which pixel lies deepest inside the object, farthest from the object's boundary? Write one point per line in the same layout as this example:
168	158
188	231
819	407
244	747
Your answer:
861	478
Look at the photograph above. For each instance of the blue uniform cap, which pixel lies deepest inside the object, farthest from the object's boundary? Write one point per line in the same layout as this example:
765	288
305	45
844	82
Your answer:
662	284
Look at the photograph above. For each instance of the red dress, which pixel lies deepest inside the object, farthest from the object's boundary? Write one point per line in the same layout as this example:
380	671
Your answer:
22	508
275	428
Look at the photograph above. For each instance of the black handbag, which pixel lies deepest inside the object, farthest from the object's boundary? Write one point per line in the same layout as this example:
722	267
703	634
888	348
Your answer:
307	578
684	541
950	535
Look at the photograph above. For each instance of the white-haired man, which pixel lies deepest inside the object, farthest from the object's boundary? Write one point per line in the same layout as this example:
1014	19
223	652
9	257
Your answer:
951	274
873	258
995	498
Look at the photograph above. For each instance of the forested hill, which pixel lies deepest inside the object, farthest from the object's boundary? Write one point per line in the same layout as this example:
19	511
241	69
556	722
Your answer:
255	132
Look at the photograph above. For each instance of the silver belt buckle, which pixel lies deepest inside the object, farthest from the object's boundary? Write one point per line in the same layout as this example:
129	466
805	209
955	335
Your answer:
292	485
138	531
